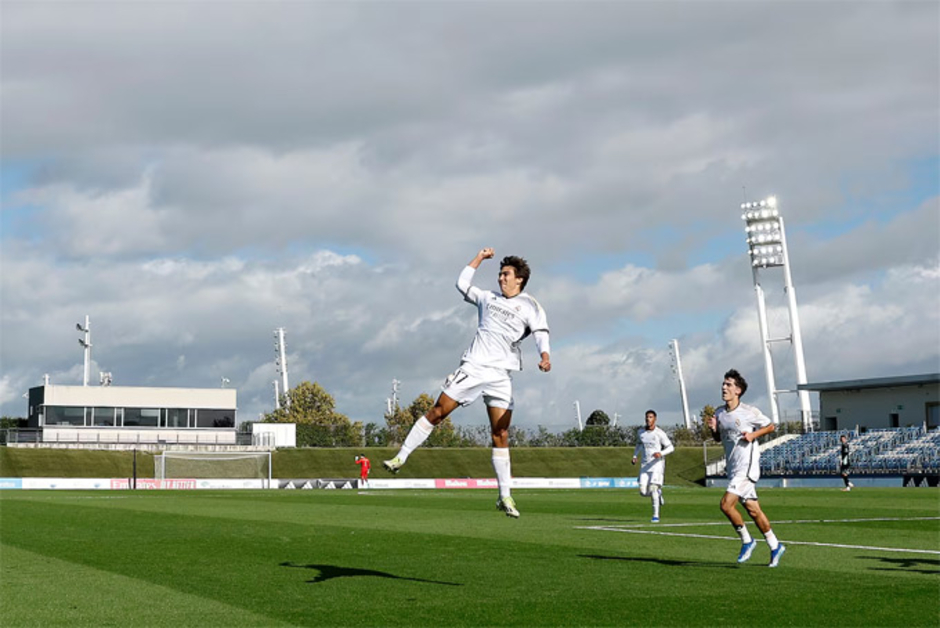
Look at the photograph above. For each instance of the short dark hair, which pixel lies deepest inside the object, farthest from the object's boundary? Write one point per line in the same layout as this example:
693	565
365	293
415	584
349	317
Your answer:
520	266
653	412
738	380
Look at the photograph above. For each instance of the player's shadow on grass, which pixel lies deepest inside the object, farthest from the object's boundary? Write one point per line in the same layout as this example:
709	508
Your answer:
328	572
912	565
660	561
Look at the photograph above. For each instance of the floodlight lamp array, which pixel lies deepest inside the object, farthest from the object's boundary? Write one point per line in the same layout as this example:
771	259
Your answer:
768	255
764	232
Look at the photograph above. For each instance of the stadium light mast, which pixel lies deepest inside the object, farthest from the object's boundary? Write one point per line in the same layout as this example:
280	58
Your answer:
767	246
677	371
85	342
277	397
577	410
395	403
280	352
391	403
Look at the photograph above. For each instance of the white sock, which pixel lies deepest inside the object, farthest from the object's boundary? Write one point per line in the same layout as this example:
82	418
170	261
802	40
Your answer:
503	468
744	534
771	539
418	434
654	494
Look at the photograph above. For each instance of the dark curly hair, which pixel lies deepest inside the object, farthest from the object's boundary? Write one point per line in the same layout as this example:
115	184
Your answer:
520	266
738	379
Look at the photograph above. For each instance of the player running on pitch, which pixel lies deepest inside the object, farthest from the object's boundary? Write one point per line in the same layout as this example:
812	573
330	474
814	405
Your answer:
845	464
655	445
738	426
506	318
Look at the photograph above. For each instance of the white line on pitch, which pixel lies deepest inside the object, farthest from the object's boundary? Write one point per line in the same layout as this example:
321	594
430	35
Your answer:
785	542
793	521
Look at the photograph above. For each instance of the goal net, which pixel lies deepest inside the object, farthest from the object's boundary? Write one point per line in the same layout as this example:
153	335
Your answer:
216	465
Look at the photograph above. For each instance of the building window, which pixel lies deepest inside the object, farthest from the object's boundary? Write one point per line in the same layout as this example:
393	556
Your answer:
215	418
103	417
175	417
141	417
65	415
933	415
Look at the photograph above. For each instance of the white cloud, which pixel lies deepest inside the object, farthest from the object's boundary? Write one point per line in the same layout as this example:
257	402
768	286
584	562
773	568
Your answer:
313	166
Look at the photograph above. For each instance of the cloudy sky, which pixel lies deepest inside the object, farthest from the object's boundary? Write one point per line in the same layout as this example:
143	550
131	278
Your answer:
193	175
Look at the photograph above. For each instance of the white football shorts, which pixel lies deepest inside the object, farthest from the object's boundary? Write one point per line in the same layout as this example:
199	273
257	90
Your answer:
468	382
648	478
743	488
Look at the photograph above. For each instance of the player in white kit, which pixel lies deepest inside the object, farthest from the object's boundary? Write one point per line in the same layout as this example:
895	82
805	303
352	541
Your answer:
655	446
738	426
506	318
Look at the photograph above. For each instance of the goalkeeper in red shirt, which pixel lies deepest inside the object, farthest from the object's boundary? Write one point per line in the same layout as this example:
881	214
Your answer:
364	467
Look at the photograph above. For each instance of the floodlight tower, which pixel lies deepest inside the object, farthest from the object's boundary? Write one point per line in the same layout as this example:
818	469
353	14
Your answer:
767	245
677	371
86	344
280	351
577	411
395	403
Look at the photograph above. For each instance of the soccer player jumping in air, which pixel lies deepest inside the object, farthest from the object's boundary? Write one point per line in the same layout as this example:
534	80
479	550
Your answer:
506	318
655	445
738	426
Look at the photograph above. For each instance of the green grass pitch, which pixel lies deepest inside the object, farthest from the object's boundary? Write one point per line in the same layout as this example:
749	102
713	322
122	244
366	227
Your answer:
448	558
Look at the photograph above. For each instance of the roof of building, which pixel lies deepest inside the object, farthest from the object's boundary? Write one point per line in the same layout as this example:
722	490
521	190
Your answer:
874	382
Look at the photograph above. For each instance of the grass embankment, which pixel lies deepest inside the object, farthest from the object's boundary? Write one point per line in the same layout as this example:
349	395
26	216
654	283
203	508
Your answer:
72	463
683	468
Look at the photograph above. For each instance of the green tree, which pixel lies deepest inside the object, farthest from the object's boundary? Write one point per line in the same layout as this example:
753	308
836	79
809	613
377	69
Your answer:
8	422
598	417
703	429
400	420
313	409
374	435
544	438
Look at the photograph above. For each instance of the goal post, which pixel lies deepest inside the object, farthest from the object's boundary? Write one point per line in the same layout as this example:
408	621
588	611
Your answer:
214	465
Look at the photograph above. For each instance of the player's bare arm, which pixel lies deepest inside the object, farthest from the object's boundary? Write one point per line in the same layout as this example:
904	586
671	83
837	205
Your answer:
713	427
546	364
486	253
752	436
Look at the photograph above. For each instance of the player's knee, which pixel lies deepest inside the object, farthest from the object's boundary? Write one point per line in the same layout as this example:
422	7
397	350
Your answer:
436	414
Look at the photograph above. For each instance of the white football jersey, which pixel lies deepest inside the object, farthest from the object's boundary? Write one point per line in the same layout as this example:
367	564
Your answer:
503	325
742	457
649	442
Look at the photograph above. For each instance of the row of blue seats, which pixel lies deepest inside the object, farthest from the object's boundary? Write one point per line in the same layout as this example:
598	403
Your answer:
875	451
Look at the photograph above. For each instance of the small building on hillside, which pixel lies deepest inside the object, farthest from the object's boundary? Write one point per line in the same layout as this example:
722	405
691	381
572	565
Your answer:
880	402
133	415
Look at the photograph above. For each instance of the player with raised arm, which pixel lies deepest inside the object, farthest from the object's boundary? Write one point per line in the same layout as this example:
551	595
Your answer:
655	446
738	426
505	319
365	465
